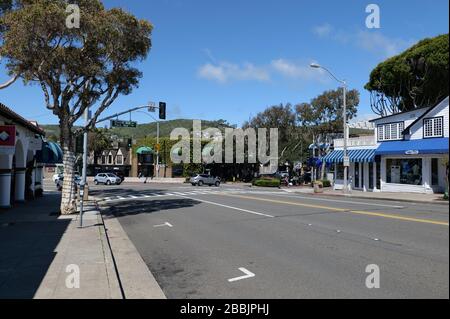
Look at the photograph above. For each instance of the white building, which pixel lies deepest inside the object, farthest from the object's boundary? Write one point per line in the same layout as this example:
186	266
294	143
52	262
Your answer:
363	171
20	173
407	153
413	149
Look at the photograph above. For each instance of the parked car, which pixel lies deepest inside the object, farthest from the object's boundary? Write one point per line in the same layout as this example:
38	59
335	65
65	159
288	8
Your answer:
107	179
203	179
60	181
56	177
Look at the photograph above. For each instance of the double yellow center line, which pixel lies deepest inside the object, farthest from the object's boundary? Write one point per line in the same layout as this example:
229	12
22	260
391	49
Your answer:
343	210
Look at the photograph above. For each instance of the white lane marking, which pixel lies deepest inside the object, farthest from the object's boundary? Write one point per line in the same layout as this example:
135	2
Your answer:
120	197
132	196
248	274
229	207
164	225
339	201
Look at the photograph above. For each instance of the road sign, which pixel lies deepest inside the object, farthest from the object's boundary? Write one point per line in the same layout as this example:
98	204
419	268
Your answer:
346	161
119	123
158	147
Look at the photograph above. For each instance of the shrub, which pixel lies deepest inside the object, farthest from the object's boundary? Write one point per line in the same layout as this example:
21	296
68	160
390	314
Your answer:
265	182
326	183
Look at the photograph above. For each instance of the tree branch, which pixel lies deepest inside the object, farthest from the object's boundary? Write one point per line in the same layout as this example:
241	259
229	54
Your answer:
9	82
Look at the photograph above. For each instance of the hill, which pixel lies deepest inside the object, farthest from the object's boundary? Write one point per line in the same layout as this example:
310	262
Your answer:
146	130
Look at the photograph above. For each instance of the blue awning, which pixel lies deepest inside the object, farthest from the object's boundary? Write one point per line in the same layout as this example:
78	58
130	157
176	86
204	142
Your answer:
356	156
51	153
414	147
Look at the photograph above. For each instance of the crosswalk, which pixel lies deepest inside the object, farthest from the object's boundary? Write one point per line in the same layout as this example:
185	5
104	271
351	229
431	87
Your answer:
149	194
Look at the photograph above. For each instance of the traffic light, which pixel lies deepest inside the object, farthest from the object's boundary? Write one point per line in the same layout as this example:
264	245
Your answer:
162	110
130	143
79	143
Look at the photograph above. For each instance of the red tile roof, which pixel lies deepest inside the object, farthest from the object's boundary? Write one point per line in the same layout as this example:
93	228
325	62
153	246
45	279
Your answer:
13	116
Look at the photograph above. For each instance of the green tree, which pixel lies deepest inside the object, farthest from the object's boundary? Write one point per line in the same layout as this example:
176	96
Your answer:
281	117
76	68
323	115
98	141
416	78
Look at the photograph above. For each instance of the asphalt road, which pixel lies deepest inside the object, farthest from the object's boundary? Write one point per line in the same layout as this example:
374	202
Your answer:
238	242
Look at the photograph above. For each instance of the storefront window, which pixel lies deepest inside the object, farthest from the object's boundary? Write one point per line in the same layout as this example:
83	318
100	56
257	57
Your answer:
356	175
371	176
339	171
404	171
435	172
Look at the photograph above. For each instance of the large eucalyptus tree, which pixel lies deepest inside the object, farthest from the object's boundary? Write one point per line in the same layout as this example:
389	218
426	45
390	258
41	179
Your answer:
76	67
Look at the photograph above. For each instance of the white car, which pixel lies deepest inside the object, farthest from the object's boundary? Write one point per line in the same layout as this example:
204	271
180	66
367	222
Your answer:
56	177
107	179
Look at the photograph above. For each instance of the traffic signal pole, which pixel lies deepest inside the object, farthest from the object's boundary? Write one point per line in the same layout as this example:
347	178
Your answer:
151	108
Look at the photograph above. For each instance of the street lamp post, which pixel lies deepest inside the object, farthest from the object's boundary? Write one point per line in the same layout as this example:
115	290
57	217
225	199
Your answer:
344	116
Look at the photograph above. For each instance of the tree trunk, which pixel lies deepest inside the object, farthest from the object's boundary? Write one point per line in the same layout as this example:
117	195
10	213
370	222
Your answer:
68	199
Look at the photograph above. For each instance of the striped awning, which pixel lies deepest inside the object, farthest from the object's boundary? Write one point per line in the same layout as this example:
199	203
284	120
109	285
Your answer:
356	156
51	153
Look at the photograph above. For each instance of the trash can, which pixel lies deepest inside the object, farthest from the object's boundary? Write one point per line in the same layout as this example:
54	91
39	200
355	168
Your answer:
318	187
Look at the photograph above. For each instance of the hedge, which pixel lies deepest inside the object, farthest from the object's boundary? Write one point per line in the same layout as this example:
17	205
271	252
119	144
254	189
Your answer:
267	182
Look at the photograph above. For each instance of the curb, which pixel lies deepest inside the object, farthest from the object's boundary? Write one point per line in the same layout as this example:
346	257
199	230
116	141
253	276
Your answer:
440	202
135	279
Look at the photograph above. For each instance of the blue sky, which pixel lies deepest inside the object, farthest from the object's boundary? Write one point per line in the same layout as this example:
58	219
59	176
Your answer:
231	59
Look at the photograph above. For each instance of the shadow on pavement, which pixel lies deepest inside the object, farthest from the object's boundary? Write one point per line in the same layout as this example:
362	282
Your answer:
147	207
28	238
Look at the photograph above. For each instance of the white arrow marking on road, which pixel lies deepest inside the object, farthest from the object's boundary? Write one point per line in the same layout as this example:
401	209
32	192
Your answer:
163	225
247	273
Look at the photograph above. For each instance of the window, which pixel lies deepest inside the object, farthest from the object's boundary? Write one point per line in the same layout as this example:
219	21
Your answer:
119	159
433	127
404	171
110	160
340	171
371	176
391	131
435	172
356	175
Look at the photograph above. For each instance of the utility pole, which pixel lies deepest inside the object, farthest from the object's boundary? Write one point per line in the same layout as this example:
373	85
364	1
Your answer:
346	159
157	150
84	174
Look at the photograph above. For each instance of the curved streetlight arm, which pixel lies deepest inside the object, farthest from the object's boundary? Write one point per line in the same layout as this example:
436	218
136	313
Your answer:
334	77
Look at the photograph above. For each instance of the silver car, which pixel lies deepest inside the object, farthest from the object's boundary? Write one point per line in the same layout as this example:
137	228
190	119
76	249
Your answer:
203	179
107	179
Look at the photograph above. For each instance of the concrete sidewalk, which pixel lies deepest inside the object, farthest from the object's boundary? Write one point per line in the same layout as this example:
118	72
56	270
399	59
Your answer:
400	197
40	252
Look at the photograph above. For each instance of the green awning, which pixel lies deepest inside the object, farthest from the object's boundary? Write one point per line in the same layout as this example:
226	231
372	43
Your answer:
144	150
51	153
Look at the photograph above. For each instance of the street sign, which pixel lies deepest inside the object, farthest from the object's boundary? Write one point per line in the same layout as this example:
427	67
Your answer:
119	123
346	161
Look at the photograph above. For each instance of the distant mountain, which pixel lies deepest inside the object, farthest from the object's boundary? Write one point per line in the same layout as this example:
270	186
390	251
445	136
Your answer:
147	130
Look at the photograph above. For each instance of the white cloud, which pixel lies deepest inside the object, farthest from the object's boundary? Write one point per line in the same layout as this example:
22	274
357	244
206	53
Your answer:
378	43
322	30
297	71
370	41
224	72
